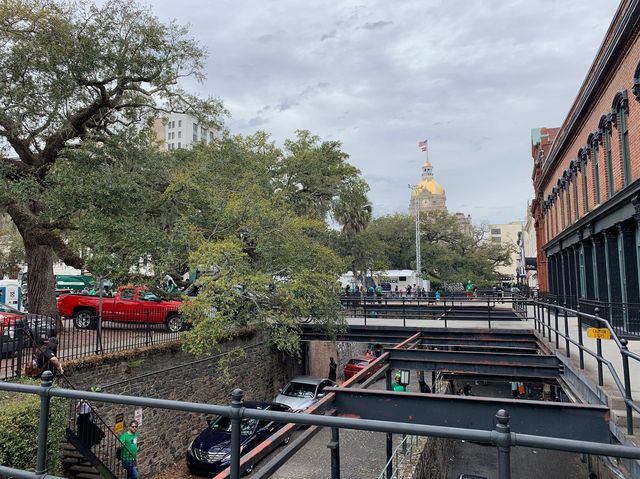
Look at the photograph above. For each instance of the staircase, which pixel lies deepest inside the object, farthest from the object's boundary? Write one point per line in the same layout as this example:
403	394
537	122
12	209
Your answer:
75	465
89	451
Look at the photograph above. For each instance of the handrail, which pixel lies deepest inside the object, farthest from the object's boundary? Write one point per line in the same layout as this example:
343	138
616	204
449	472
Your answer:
623	387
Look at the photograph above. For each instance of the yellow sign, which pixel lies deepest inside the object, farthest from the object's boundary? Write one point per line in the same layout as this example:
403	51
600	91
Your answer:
119	427
599	333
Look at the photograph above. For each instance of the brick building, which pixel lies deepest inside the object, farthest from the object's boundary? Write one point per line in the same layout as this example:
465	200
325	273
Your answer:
587	178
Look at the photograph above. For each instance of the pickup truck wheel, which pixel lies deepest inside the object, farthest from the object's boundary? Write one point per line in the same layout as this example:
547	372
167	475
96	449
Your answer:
84	319
173	322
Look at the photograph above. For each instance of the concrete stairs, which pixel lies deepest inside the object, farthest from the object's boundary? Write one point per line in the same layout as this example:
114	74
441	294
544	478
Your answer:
75	465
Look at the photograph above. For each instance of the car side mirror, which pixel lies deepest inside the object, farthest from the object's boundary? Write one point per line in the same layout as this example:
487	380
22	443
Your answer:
209	421
280	390
320	395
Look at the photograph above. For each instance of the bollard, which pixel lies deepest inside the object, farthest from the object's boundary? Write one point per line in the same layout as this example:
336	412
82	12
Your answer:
557	327
627	384
46	381
236	419
503	441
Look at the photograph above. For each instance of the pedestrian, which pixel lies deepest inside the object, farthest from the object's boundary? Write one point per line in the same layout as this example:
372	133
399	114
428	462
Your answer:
466	390
408	290
88	432
347	289
396	290
469	288
333	369
397	386
514	389
129	450
47	359
438	295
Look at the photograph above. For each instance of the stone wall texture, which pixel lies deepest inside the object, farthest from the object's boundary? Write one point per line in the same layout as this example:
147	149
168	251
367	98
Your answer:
167	372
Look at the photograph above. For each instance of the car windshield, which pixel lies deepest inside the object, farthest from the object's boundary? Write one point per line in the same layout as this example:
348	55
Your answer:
299	390
359	362
8	309
223	424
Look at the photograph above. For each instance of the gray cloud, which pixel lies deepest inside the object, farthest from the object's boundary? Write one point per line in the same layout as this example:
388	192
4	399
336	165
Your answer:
379	25
472	79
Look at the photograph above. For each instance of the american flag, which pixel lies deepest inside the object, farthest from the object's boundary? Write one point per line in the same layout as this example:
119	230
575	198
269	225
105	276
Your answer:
423	145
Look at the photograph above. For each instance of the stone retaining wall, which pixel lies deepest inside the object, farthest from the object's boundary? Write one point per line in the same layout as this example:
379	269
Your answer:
165	435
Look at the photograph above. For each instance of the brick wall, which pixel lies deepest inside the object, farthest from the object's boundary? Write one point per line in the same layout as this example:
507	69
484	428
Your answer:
620	78
165	435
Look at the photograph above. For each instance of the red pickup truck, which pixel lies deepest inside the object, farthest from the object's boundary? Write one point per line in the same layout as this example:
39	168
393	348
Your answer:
130	305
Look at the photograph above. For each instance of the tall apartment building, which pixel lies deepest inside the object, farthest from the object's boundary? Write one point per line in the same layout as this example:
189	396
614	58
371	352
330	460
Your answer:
587	181
527	261
179	130
506	234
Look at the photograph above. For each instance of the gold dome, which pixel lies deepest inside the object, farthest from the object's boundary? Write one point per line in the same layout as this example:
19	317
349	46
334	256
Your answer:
431	185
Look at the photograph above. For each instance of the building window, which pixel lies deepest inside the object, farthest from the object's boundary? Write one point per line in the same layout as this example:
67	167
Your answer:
179	134
179	144
575	196
605	126
496	231
568	195
562	211
195	132
595	137
179	123
585	189
210	136
621	106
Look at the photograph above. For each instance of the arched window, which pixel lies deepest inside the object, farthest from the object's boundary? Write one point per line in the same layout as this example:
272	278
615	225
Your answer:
583	154
636	83
605	127
620	107
594	141
573	176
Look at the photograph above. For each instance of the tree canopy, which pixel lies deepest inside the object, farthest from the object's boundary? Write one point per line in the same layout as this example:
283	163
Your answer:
74	75
451	252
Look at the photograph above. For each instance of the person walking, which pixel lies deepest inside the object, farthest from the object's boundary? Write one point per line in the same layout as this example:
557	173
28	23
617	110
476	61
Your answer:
333	369
129	454
47	359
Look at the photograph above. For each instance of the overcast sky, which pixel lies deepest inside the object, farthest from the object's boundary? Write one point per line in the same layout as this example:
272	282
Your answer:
473	77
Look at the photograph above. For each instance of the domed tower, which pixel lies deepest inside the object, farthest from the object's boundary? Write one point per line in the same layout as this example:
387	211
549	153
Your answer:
427	195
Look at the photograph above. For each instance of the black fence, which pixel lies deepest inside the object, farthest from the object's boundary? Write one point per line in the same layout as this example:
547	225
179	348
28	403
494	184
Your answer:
22	340
624	318
488	307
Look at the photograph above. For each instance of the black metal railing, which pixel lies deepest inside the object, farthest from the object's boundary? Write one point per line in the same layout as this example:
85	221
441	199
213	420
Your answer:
490	307
500	435
81	337
92	436
552	321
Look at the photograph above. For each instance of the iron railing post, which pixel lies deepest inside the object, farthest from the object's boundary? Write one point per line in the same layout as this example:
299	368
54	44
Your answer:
503	440
566	333
557	327
46	381
627	384
580	340
236	419
389	443
548	324
364	309
489	312
334	446
599	350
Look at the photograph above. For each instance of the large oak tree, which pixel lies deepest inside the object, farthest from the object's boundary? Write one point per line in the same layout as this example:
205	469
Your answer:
72	75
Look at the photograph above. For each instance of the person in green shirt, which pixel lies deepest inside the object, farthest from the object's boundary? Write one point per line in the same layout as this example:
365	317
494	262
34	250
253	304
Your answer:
396	386
129	440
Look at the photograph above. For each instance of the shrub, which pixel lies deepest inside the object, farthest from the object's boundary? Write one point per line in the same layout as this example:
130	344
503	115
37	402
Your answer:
19	416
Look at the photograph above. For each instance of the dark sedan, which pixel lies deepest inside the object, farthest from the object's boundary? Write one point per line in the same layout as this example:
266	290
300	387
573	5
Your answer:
36	328
210	452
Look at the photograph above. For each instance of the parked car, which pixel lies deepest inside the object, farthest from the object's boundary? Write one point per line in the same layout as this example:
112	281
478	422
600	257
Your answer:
129	305
302	392
210	452
38	328
355	365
